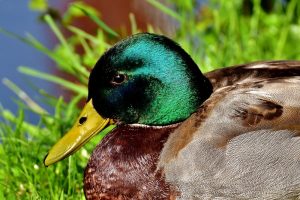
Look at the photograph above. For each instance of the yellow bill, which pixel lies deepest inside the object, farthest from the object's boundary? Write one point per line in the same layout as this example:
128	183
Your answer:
88	124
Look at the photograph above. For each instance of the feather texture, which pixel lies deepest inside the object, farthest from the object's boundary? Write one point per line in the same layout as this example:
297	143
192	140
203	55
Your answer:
243	142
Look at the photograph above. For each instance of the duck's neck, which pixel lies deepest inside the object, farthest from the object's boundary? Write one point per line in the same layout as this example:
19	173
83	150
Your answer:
176	100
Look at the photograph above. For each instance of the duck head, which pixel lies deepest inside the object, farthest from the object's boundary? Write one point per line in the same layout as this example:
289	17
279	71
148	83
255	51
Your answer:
145	79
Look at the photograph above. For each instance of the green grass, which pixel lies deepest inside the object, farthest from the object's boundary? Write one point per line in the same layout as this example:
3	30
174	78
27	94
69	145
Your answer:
220	35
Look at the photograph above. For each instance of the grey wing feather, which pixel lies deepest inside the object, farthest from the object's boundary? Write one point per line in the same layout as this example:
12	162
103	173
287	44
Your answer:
243	143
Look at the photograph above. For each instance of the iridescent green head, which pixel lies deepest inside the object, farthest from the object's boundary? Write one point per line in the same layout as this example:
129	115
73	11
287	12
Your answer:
147	79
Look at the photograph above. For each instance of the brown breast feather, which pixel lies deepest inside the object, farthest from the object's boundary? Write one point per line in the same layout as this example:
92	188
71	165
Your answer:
123	165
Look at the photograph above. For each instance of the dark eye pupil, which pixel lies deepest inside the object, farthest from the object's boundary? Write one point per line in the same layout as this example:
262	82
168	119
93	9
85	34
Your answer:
119	78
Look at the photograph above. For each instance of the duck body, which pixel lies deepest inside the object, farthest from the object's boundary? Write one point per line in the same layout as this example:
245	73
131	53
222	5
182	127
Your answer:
232	133
219	152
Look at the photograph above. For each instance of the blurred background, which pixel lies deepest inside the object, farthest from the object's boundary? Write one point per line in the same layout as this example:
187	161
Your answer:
15	16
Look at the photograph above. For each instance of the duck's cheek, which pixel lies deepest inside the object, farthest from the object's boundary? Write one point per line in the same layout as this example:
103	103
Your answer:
126	102
114	104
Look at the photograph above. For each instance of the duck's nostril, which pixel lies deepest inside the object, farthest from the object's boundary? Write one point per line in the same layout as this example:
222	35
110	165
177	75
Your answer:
82	120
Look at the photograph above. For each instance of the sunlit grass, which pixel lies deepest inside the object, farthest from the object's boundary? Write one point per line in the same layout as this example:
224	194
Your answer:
216	36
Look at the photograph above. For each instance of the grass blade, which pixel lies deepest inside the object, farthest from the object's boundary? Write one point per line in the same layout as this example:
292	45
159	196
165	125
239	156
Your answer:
133	24
80	89
99	22
75	63
24	96
165	9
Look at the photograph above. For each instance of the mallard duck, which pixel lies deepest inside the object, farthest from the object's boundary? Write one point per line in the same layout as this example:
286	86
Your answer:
232	133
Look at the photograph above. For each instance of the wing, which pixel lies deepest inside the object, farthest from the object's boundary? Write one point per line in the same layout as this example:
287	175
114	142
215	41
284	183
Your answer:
243	143
253	72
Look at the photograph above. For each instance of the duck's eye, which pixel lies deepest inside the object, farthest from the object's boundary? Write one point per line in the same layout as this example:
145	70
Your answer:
118	79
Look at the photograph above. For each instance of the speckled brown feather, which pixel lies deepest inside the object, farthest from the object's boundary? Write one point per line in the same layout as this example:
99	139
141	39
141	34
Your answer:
252	72
123	165
261	114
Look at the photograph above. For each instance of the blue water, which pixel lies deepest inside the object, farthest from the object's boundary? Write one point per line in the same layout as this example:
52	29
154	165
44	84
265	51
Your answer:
17	18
